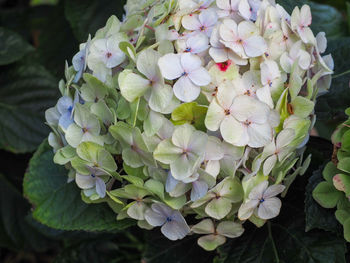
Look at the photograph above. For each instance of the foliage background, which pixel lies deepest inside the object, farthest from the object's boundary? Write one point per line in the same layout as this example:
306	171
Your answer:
36	37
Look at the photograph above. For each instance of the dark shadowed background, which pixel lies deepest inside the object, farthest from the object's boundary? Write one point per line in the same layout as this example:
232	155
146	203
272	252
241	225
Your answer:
36	38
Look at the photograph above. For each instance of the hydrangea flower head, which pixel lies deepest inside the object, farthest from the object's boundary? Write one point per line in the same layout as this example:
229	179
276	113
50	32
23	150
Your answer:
197	114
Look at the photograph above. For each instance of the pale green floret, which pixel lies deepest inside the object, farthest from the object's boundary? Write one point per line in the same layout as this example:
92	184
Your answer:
184	152
216	236
206	113
219	200
85	129
135	152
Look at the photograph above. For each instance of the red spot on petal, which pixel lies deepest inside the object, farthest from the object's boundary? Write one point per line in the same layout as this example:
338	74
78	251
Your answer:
224	65
338	183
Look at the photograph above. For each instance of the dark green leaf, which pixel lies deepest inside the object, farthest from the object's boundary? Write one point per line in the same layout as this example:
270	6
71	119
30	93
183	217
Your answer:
331	106
15	232
26	91
159	250
86	16
12	47
56	41
100	248
43	2
317	216
58	204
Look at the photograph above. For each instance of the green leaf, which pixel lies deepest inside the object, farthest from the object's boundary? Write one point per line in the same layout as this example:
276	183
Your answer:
85	17
344	165
317	216
329	172
326	195
100	248
43	2
15	232
26	91
346	226
58	204
12	47
159	249
342	215
56	42
191	113
345	142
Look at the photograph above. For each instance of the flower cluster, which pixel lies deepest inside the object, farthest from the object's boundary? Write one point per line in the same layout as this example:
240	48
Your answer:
334	192
192	108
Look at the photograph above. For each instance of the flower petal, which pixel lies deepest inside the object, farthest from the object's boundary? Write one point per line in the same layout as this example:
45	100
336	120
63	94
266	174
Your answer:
254	46
229	30
234	132
259	135
198	143
154	218
218	208
247	108
264	95
182	136
200	77
190	62
160	97
132	158
269	164
211	242
205	226
166	152
100	187
257	192
208	17
270	208
147	63
137	210
214	149
284	138
134	86
170	66
273	190
218	54
175	229
171	183
199	189
215	115
84	181
184	166
74	135
191	22
230	229
246	210
185	90
198	43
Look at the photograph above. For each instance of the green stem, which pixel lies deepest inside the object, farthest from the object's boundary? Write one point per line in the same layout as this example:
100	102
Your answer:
273	242
341	74
136	112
